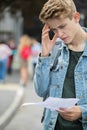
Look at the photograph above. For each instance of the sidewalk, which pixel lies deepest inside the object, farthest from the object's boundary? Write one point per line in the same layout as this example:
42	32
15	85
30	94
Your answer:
28	118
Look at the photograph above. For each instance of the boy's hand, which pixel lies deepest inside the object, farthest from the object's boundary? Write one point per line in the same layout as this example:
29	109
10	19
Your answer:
47	43
71	114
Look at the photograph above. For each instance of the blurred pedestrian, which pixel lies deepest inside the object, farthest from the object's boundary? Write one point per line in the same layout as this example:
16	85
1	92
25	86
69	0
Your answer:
24	49
5	51
12	46
36	49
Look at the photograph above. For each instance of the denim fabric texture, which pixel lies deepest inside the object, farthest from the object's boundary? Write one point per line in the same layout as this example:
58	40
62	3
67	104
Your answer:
50	83
3	68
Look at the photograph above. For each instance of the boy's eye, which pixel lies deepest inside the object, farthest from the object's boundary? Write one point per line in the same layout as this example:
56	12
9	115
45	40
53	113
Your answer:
61	27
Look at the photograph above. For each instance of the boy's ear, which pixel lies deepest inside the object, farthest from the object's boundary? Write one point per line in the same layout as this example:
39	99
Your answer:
77	17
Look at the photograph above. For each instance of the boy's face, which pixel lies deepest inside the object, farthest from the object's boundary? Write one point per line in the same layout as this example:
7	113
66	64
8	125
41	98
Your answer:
66	28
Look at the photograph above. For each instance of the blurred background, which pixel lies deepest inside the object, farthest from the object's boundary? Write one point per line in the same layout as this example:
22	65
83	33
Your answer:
18	18
21	17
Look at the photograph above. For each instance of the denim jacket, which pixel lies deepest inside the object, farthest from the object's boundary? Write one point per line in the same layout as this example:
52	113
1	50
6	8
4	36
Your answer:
49	82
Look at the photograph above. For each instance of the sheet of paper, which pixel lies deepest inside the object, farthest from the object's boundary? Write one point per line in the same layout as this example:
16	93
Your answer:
55	103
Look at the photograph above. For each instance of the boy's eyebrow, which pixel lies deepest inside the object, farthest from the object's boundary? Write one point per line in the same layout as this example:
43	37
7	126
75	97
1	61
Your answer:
57	26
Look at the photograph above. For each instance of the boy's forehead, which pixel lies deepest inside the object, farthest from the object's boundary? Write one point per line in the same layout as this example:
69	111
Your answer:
57	22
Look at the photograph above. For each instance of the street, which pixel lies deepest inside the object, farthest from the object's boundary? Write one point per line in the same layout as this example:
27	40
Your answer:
26	118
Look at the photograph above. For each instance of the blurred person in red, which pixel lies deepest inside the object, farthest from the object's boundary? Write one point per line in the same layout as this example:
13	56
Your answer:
24	50
12	46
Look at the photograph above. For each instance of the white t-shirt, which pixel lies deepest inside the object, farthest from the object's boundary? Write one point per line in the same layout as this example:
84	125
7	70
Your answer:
5	51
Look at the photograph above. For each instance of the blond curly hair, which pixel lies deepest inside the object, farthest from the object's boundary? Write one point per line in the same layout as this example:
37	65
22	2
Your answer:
57	9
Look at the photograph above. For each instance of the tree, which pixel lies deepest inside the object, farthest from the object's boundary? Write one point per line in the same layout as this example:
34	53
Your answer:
30	10
81	4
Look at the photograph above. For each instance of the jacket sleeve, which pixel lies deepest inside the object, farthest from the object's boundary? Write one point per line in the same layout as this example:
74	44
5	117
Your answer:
84	113
42	71
42	75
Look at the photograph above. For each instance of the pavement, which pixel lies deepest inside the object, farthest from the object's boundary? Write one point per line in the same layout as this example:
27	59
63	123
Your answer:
24	118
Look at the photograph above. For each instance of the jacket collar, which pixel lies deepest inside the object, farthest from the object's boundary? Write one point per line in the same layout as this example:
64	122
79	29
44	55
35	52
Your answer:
85	49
